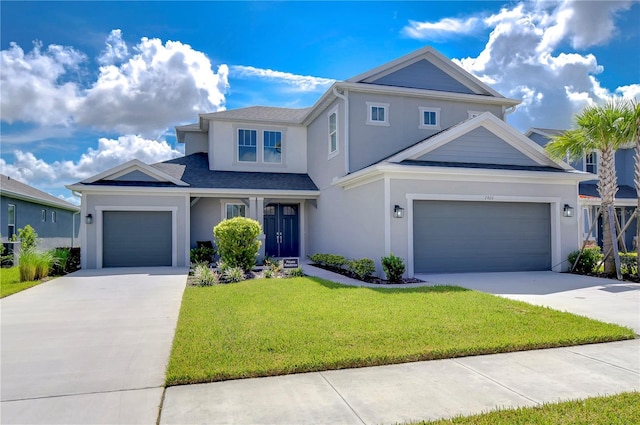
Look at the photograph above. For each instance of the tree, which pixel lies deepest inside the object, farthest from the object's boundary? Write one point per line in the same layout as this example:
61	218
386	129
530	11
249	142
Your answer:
635	126
605	129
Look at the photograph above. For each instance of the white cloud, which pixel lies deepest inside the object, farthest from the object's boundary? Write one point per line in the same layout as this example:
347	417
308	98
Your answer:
304	83
110	152
142	90
520	59
444	28
632	91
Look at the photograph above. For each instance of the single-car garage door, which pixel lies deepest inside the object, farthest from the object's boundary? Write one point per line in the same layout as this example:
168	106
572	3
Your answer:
136	238
460	236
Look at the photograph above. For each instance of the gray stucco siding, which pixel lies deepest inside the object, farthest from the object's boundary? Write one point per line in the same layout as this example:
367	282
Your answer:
136	176
370	144
206	214
423	75
479	146
195	142
320	167
51	234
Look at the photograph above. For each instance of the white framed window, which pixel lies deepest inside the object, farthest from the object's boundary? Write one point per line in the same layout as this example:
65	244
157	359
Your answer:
377	113
11	220
43	215
473	114
332	119
591	163
247	145
272	147
429	118
235	210
53	216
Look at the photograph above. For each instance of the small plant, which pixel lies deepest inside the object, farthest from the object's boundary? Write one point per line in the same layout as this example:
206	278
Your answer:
203	254
233	274
61	259
393	267
297	272
267	273
362	268
588	260
628	263
204	276
34	265
329	260
28	237
237	241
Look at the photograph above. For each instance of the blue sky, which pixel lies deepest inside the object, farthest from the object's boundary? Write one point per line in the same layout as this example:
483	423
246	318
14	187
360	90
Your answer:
87	86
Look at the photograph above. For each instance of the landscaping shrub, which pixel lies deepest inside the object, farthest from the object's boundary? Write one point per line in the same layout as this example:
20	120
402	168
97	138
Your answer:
628	263
237	241
233	274
204	276
297	272
588	260
393	267
34	265
329	260
28	238
363	268
203	254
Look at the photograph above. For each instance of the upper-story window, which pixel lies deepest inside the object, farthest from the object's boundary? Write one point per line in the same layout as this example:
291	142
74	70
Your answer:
43	214
247	145
272	152
333	132
429	118
11	220
235	210
377	113
591	163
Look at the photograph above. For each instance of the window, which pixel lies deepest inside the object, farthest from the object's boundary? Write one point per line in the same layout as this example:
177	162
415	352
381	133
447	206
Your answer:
11	220
235	210
272	146
591	163
43	214
247	145
53	216
429	118
333	133
377	113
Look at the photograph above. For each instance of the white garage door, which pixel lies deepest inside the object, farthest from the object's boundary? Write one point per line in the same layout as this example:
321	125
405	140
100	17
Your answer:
136	238
457	236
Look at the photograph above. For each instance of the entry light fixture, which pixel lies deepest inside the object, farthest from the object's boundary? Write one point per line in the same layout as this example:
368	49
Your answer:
89	219
398	211
567	211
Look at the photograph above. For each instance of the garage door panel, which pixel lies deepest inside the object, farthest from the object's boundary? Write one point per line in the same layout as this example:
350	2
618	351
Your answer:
460	236
137	238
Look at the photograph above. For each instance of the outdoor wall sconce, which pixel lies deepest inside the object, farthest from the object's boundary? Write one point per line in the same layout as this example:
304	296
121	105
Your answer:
567	211
398	211
89	219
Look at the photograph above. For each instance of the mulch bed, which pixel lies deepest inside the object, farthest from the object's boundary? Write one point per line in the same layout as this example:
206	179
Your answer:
372	279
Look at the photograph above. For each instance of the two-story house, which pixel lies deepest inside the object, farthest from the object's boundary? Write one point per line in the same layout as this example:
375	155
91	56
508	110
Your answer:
413	158
626	199
57	222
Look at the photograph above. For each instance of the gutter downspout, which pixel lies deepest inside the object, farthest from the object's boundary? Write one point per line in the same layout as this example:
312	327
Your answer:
508	111
345	98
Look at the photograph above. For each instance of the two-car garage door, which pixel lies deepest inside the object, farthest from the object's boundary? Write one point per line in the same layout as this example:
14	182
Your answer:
461	236
136	238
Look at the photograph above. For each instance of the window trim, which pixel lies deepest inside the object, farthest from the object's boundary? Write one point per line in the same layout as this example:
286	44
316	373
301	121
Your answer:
422	125
333	153
43	215
595	163
11	224
384	107
238	145
264	146
53	216
231	203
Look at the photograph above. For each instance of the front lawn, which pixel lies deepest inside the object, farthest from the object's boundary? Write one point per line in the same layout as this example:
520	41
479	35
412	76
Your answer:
268	327
10	282
621	409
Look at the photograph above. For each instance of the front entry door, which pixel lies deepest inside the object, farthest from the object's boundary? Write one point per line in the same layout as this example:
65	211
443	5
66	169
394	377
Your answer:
282	231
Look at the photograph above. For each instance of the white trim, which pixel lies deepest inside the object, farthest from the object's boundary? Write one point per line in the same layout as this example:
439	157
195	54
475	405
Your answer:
134	165
195	192
302	235
332	154
237	138
187	230
98	222
225	202
554	210
384	107
422	125
387	215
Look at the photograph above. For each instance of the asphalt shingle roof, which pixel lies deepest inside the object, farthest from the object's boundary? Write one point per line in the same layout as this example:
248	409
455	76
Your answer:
481	166
13	188
262	113
591	190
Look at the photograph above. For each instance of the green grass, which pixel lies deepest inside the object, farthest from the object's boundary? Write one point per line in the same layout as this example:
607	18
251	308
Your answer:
278	326
10	282
621	409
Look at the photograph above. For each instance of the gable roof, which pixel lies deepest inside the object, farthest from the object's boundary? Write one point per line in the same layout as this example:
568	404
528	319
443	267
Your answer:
435	60
546	132
13	188
261	113
132	166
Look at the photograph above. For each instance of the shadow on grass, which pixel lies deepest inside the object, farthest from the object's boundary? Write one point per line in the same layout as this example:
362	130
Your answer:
390	289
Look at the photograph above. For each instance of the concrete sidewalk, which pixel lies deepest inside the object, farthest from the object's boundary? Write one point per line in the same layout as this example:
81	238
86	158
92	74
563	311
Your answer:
425	390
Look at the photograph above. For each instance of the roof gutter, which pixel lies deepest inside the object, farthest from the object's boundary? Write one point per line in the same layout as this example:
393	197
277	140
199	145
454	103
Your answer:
345	98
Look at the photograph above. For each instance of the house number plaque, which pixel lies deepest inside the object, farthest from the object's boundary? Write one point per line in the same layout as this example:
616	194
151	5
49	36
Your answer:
290	263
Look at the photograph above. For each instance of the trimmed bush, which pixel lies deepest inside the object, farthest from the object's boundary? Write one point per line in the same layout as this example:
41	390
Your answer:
364	268
628	263
393	267
589	259
237	241
329	260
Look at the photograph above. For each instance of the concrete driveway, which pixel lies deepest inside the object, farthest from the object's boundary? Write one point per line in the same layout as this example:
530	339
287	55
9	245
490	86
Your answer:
90	347
602	299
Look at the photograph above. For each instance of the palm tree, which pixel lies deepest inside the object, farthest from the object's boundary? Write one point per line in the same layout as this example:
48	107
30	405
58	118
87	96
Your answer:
601	128
635	126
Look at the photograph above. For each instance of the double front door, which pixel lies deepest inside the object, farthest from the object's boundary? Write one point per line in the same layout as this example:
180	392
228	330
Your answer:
282	230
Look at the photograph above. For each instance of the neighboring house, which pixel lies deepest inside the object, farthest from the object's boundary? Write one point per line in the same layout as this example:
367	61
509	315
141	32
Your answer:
412	158
626	199
56	222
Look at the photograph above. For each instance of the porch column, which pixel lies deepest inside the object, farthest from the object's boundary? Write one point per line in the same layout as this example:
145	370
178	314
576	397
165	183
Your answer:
252	209
260	218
